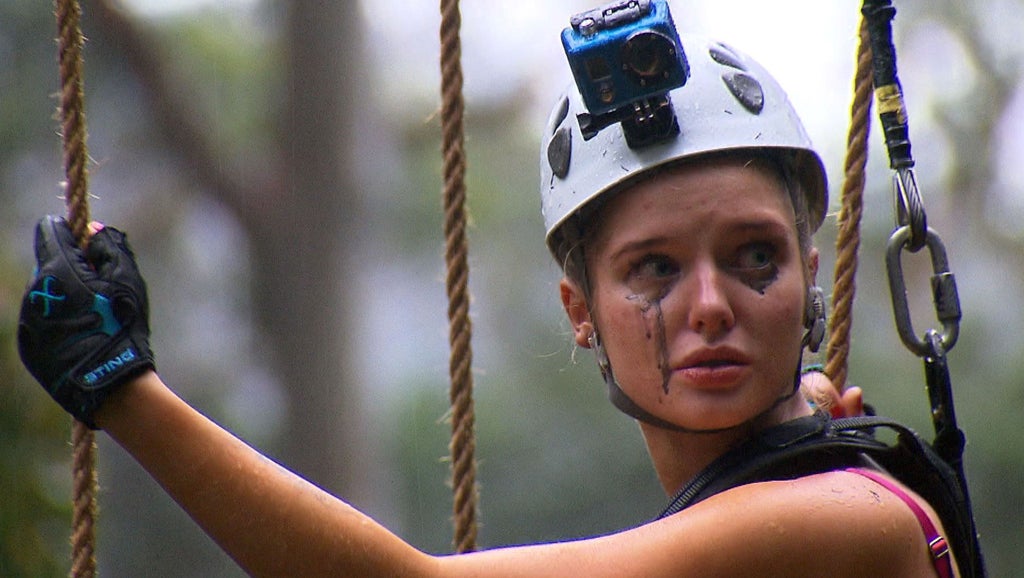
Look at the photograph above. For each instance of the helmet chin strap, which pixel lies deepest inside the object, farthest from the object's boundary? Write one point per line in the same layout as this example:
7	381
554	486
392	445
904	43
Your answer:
626	405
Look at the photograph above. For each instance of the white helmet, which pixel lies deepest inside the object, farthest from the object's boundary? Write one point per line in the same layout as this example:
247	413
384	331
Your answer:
730	102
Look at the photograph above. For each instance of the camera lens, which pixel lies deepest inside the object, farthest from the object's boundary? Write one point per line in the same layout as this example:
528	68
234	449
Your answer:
648	57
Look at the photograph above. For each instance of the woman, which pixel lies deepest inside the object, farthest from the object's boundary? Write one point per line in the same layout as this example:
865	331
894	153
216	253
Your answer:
689	271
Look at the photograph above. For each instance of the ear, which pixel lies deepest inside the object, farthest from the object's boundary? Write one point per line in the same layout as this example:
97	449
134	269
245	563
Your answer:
578	311
812	266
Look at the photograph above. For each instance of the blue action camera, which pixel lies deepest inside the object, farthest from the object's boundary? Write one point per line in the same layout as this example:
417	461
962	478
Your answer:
624	52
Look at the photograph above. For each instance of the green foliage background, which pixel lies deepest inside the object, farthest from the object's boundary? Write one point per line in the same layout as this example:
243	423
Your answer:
34	477
556	460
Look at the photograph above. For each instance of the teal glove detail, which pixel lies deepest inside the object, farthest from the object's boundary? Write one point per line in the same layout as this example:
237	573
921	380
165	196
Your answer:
84	324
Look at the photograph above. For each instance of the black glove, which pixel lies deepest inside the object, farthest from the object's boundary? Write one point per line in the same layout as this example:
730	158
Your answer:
84	326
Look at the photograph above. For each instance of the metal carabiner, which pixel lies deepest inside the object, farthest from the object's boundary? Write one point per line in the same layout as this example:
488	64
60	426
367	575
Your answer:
944	292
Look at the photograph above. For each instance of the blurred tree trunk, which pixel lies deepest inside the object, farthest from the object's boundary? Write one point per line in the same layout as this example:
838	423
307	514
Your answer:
300	239
298	203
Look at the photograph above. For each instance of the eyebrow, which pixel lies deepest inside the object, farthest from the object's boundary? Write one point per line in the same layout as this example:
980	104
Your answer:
638	246
766	226
753	226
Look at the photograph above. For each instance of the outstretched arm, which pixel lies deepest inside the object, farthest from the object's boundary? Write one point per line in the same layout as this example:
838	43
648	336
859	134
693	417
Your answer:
274	523
271	521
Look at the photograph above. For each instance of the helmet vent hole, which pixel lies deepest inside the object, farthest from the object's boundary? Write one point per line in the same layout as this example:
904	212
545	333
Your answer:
560	152
746	89
558	114
725	57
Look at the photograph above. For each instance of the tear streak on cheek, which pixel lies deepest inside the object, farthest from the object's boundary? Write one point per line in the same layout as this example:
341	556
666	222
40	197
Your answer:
654	321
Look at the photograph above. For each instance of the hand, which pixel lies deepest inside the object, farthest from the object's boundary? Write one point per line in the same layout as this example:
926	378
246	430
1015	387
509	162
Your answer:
84	325
819	391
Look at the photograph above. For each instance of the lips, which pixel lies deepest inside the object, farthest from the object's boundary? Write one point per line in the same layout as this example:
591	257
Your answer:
717	367
713	357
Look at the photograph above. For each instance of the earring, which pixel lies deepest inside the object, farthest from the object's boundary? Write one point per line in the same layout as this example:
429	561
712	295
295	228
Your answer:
599	352
814	318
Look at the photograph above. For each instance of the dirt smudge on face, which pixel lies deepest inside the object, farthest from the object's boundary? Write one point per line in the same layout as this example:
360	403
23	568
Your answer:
654	320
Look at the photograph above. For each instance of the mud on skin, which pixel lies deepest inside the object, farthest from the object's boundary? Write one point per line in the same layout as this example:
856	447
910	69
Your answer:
758	283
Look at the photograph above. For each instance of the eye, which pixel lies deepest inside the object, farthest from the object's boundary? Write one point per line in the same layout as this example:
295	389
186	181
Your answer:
755	256
651	274
756	265
654	266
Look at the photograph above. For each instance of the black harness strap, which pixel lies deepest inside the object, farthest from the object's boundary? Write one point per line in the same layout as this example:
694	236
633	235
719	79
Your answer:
817	444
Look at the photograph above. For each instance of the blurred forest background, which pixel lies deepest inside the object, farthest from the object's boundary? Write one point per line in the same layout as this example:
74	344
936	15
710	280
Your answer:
277	166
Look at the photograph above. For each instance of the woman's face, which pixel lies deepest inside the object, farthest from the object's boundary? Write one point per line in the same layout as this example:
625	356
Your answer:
697	292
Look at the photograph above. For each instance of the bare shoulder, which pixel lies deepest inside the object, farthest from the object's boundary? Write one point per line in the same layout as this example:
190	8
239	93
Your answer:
834	524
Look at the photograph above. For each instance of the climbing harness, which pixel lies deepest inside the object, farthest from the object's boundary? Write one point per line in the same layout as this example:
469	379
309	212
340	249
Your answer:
73	137
817	444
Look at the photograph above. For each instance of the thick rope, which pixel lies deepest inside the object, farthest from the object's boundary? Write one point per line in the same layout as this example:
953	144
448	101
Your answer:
73	133
72	116
848	235
73	137
463	445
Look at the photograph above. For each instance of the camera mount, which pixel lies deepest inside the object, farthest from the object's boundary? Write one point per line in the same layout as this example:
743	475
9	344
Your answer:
625	57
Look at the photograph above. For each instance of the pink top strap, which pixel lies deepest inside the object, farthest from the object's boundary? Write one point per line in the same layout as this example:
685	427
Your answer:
936	543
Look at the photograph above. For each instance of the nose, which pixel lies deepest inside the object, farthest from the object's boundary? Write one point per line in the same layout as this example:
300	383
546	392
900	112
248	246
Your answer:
710	312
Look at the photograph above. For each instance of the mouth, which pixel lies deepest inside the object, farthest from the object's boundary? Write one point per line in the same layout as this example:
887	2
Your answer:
712	364
713	368
713	358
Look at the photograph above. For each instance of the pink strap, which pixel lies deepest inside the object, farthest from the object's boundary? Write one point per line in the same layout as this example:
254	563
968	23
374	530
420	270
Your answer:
936	543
